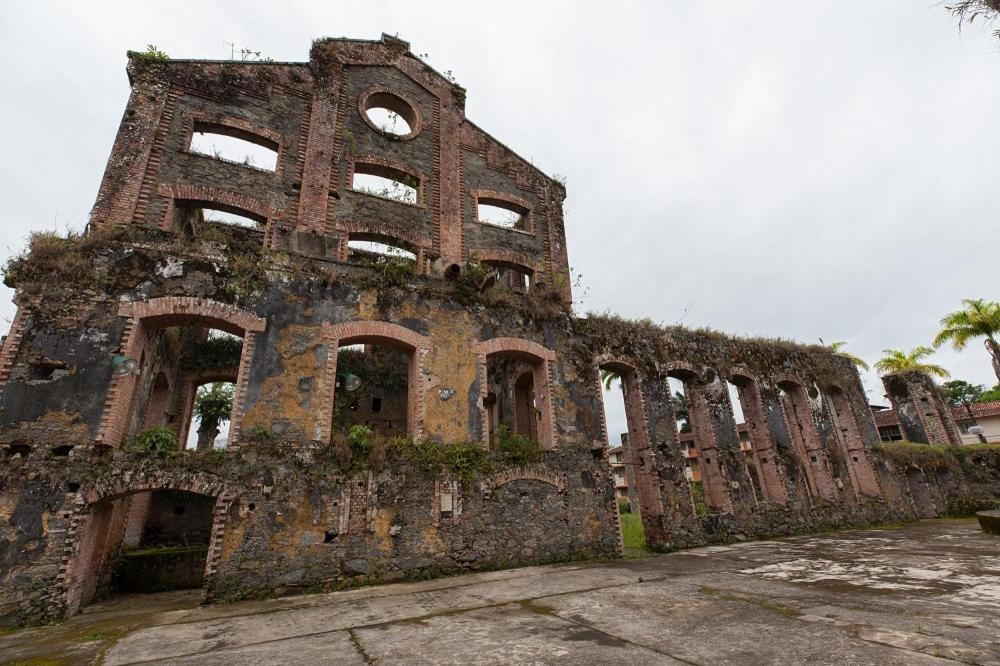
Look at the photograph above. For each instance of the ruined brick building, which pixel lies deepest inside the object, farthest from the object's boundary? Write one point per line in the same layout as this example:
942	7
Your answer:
456	348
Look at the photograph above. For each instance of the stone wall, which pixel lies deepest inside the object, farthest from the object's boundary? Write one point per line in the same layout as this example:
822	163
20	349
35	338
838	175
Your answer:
292	502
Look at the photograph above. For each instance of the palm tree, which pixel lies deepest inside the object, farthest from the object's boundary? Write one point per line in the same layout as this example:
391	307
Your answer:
896	360
608	378
979	319
838	349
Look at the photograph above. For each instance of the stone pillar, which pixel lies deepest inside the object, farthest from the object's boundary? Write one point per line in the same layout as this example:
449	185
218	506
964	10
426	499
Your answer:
922	413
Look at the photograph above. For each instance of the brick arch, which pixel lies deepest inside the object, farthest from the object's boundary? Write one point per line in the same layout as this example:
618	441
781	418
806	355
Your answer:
80	544
683	366
174	311
494	197
182	310
377	332
420	243
223	197
617	361
514	346
740	371
785	378
541	359
532	472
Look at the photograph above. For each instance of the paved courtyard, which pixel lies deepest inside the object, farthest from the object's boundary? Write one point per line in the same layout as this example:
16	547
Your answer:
926	593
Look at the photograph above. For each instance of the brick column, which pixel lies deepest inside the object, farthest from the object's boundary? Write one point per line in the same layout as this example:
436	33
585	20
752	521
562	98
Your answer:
712	468
123	176
117	406
760	440
314	197
12	344
240	391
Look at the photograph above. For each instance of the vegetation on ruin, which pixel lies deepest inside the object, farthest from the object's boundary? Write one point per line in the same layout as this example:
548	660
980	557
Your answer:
464	461
153	440
897	360
56	265
969	11
213	405
633	534
213	353
978	462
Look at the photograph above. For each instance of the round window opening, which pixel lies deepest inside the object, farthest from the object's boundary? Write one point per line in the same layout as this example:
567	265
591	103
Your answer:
390	115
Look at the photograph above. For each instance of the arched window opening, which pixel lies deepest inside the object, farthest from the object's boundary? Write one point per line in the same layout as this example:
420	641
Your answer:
746	446
235	146
805	439
516	372
390	114
501	213
512	381
849	437
147	541
386	183
372	389
630	454
186	387
755	440
694	432
510	276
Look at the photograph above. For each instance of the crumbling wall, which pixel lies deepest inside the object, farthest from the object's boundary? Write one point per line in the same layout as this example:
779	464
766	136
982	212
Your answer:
299	504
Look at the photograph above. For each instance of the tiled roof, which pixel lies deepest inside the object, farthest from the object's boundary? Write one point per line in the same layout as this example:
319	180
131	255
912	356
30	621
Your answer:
617	449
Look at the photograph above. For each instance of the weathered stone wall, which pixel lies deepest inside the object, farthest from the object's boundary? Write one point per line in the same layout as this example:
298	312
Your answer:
293	503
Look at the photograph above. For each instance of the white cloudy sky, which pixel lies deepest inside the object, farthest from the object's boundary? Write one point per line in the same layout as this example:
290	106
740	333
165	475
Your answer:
787	168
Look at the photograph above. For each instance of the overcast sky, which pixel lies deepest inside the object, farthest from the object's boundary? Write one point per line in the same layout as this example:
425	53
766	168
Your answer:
797	168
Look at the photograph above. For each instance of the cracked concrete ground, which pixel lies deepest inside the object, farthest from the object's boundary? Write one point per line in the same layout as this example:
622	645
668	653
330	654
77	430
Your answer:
926	593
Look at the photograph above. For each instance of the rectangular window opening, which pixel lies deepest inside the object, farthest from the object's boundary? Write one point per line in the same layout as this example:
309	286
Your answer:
400	187
502	214
234	150
361	248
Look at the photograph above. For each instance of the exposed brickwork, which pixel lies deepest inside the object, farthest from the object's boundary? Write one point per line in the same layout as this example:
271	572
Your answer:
920	409
292	508
11	344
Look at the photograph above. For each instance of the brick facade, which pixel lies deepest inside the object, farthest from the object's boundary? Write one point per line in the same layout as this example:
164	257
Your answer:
476	361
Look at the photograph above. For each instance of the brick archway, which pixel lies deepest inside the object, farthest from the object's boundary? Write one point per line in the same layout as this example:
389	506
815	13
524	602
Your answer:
380	333
83	537
540	358
156	313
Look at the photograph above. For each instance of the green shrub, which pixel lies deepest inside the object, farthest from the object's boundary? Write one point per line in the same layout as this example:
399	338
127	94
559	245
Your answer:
360	438
624	506
516	450
154	440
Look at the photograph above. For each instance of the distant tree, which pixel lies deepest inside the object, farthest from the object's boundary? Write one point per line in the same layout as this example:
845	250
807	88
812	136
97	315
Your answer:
960	392
979	319
212	405
838	349
896	360
992	395
967	11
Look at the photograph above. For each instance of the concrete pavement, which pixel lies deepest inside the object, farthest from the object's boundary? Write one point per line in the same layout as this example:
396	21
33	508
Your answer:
926	593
